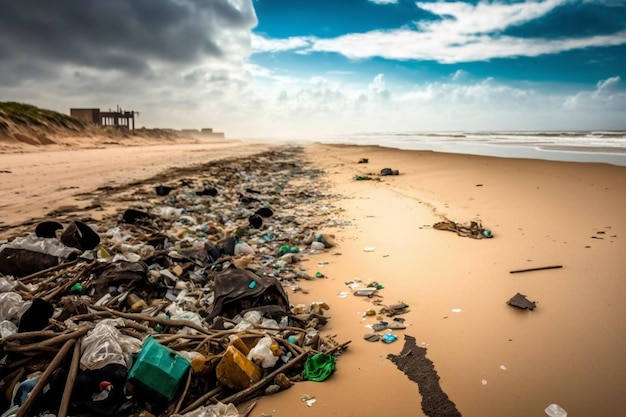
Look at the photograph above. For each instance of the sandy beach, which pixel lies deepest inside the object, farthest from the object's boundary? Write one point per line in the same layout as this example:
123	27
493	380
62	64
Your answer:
492	359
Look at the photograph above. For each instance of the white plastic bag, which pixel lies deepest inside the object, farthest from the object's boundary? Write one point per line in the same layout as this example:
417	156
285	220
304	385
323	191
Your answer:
102	346
7	328
6	285
50	246
11	305
262	353
214	410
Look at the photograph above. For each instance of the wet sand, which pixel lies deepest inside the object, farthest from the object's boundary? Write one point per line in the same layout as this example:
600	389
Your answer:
493	359
567	351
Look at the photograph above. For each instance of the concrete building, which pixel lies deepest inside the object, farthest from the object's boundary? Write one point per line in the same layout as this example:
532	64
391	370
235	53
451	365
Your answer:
119	118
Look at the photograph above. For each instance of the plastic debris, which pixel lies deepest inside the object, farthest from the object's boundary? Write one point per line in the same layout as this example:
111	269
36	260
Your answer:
520	301
555	410
164	301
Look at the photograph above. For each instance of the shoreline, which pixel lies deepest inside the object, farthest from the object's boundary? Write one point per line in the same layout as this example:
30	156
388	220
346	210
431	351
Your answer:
562	153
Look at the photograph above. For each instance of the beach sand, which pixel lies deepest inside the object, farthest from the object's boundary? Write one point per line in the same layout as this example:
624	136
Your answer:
492	359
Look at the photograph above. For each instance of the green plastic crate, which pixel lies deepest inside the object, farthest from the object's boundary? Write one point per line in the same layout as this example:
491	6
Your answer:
158	368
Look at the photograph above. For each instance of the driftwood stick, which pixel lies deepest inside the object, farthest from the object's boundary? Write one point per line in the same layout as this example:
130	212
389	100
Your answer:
248	410
71	380
242	394
43	379
156	320
47	344
90	316
23	289
165	338
338	347
52	284
28	335
43	272
184	393
216	335
132	333
67	285
200	401
536	269
20	363
134	325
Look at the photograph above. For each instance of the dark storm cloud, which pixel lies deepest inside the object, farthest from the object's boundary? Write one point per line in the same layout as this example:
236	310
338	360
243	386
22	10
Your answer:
108	34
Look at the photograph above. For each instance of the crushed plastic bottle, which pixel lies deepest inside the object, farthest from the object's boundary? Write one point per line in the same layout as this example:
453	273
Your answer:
555	410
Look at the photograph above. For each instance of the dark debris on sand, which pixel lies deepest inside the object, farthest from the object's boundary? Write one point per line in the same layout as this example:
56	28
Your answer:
413	362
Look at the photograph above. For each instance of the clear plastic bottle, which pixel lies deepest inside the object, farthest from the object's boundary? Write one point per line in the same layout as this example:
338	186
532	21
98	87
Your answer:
555	410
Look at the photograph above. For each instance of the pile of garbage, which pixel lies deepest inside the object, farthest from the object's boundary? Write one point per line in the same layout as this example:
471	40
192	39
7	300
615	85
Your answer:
171	306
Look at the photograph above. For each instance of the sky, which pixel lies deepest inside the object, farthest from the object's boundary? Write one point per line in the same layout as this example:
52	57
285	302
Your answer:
317	68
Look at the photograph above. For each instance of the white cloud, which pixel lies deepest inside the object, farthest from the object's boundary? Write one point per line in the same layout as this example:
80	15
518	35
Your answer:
319	106
465	18
384	1
607	96
465	33
610	84
262	44
458	75
450	48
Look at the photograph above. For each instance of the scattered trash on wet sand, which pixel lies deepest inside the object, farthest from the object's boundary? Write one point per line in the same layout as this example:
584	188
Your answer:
389	171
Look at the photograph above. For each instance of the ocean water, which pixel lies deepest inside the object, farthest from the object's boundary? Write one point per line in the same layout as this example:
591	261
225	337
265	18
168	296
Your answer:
604	147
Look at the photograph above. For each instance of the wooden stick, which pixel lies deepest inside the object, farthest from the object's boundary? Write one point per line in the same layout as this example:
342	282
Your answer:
46	344
18	363
157	320
536	269
43	379
248	410
200	401
67	285
41	273
338	347
28	335
183	395
71	380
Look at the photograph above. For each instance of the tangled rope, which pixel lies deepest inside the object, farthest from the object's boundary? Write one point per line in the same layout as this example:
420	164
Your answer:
474	229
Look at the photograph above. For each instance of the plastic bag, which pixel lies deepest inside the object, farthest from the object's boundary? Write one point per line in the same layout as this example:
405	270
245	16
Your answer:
214	410
270	324
11	305
50	246
6	285
319	367
250	319
102	346
262	354
7	328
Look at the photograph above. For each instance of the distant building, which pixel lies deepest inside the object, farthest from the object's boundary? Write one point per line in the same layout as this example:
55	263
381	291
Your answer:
205	132
88	115
119	118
